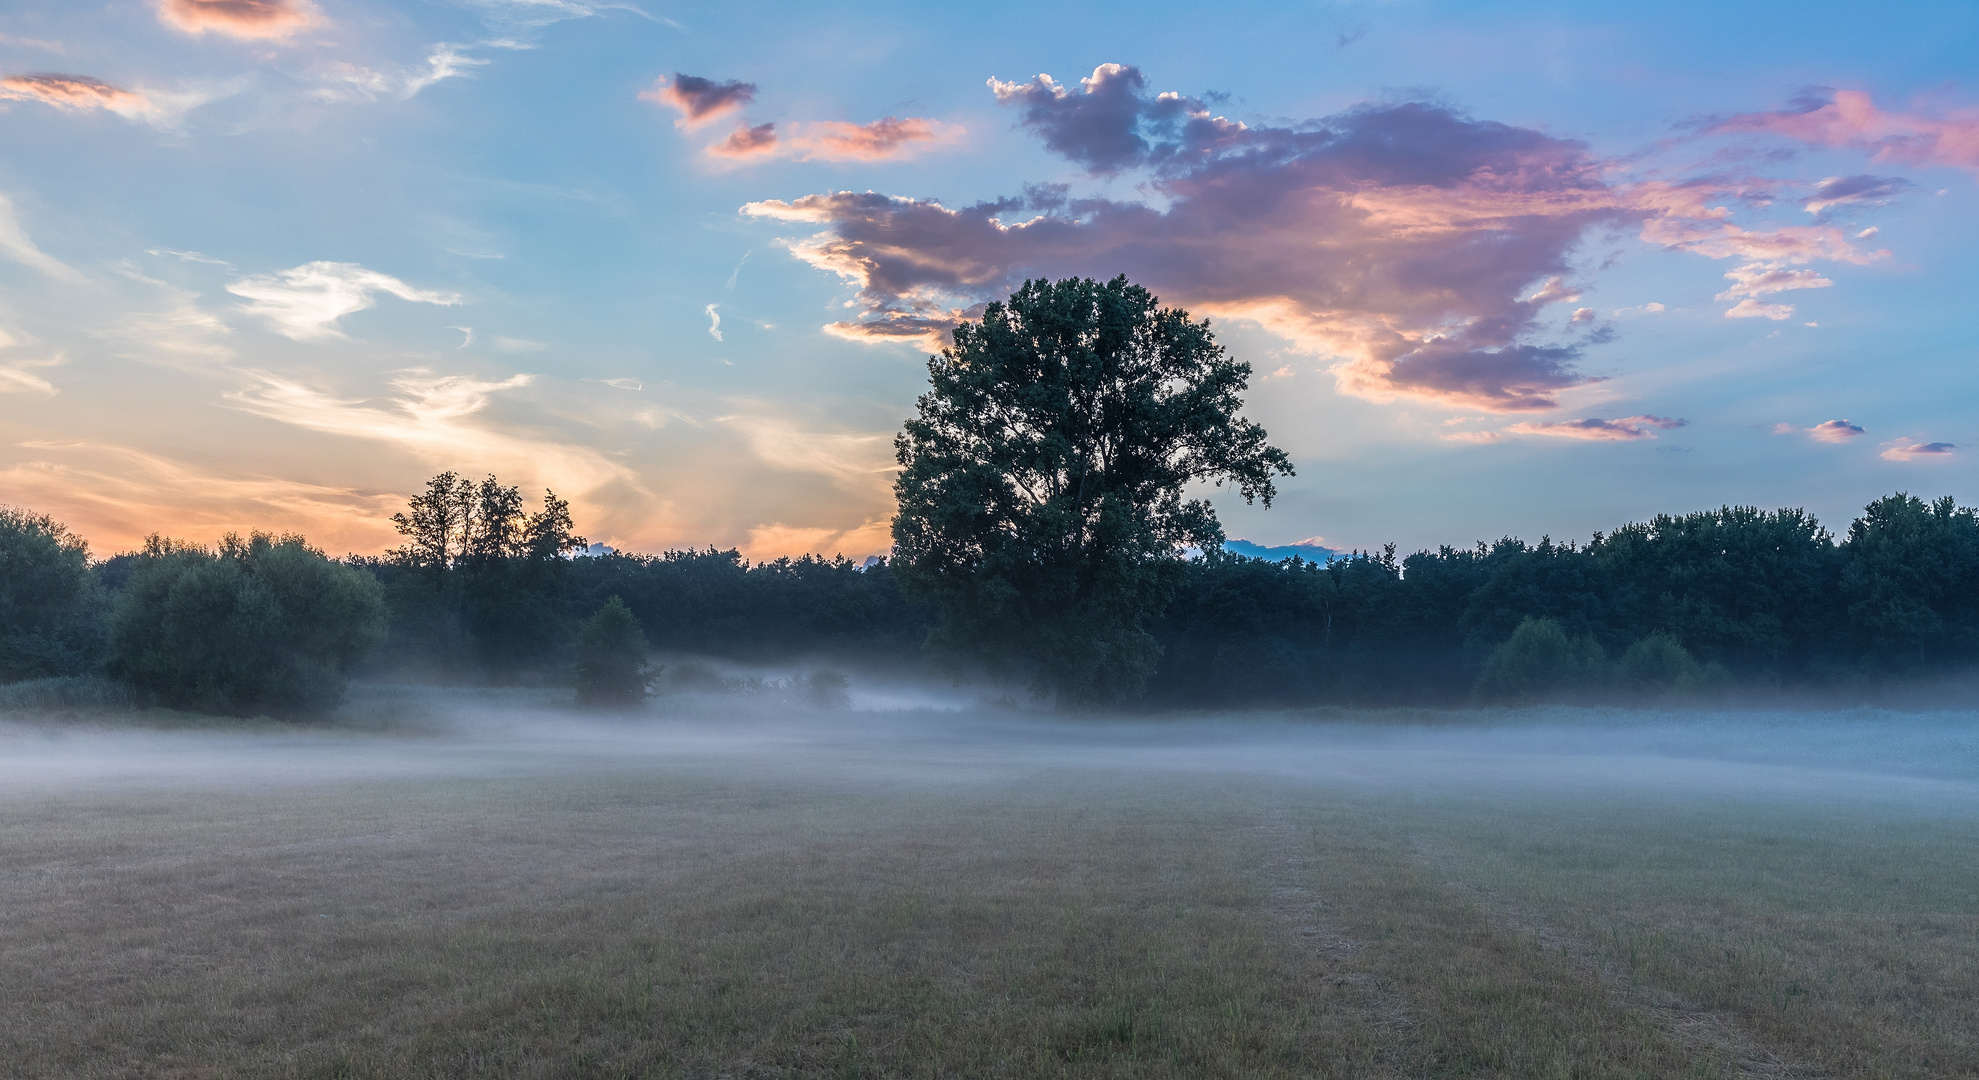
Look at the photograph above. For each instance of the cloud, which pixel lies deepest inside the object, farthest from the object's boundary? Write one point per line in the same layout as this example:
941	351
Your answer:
1905	450
777	540
1761	279
15	245
1582	315
714	321
1621	429
1414	246
305	303
76	92
440	418
889	139
858	461
747	142
1753	309
249	19
1833	431
1470	436
19	376
117	494
1850	118
700	101
1856	191
346	82
1096	126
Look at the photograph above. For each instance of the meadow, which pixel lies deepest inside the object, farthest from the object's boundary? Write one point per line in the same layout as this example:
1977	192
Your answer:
483	884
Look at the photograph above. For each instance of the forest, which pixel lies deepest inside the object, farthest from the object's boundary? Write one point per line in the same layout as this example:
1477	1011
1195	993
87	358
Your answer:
1729	601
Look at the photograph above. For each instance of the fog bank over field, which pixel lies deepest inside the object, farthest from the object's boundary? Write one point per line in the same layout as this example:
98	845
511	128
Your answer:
402	733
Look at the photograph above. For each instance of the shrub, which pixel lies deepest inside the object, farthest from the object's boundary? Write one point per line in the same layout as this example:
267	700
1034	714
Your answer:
1539	660
262	625
828	689
611	658
1659	664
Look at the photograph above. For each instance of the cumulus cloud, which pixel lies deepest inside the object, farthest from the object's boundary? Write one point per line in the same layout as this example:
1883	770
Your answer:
251	19
1906	450
1621	429
305	303
1754	280
747	142
76	92
1833	431
700	101
1413	245
1856	191
1850	118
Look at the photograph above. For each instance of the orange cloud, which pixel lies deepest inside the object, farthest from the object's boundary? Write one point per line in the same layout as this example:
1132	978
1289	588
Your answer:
748	142
1905	450
1852	119
269	19
1834	431
74	92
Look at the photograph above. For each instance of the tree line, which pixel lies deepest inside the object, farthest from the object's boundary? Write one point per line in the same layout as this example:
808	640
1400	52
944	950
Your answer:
1043	538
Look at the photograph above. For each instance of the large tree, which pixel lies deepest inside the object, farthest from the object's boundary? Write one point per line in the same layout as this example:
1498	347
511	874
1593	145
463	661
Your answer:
1042	505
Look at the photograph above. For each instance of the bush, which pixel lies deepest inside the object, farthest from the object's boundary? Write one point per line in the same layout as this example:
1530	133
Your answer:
828	689
49	608
1659	664
262	625
1539	660
611	658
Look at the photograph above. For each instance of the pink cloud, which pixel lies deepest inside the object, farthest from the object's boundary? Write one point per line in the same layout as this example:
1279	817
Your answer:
1622	429
1851	119
240	18
1833	431
1413	246
1905	450
74	92
889	139
748	142
700	101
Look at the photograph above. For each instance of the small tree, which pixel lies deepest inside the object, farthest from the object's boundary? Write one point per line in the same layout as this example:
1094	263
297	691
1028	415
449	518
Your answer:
1539	660
1041	495
611	658
264	624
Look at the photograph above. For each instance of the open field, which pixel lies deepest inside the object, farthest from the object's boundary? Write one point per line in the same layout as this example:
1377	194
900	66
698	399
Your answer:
499	892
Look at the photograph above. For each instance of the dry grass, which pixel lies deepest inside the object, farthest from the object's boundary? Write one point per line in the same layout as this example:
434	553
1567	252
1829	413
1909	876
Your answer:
750	914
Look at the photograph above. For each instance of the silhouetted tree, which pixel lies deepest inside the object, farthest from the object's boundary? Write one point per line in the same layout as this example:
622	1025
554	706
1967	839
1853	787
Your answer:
611	658
264	624
1041	507
48	602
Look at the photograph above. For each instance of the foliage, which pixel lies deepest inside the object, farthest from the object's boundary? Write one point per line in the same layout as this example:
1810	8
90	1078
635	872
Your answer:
611	657
48	602
264	624
1041	493
1660	665
1538	662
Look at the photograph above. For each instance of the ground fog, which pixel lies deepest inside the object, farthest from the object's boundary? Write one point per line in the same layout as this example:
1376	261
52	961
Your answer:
453	882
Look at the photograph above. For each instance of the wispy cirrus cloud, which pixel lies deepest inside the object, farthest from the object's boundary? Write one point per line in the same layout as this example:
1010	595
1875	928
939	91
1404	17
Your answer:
17	246
1621	429
342	81
304	303
1911	450
1855	191
1850	118
263	20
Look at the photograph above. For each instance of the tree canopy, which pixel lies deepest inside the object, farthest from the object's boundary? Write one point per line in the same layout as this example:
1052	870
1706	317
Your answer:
1042	504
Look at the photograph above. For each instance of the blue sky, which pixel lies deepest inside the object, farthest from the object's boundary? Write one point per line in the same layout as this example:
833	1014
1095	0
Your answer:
1507	268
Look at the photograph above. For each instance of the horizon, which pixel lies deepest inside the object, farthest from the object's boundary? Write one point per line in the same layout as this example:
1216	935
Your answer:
1495	269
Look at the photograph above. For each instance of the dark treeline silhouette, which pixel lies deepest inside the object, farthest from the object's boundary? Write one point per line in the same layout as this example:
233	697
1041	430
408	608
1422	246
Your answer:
1730	600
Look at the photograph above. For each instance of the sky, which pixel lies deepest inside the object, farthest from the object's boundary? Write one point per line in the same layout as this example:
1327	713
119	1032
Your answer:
1526	269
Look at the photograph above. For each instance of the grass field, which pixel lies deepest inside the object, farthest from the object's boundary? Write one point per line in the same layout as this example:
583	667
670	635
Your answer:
1560	894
